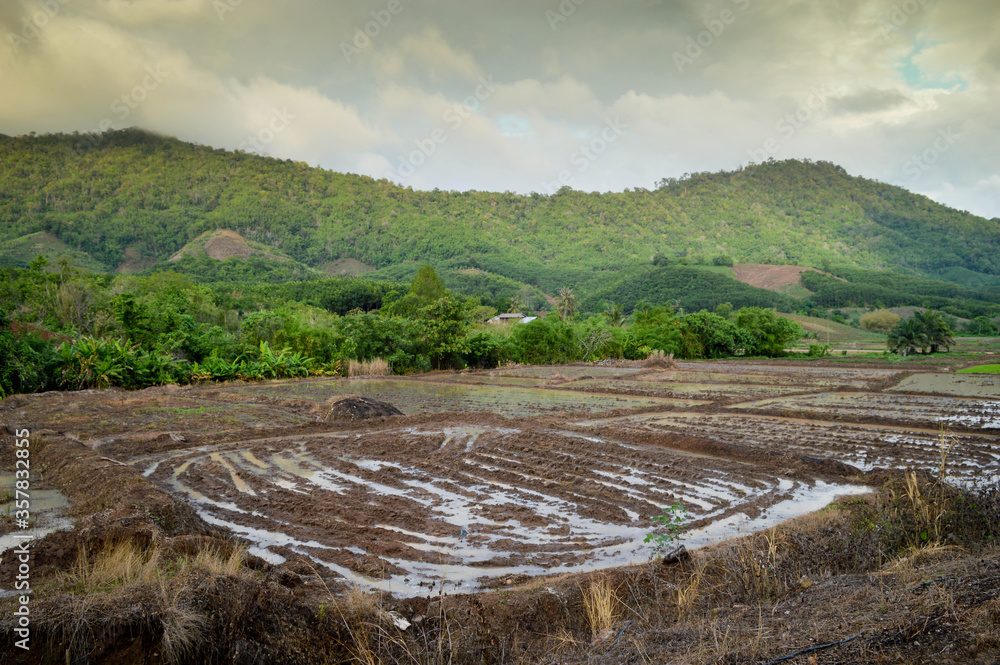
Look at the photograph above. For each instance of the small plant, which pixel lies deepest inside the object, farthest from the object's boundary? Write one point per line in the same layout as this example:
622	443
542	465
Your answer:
819	350
671	523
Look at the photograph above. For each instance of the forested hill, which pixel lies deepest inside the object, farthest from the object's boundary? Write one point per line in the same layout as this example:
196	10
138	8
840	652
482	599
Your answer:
130	199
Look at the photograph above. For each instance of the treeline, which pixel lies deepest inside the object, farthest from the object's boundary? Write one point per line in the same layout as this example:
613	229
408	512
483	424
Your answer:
130	195
686	287
143	331
864	288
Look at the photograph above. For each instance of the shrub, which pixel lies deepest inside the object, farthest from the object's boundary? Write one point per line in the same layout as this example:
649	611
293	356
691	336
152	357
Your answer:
881	320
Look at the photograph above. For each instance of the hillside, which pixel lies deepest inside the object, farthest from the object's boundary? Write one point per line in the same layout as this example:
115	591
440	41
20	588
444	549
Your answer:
129	198
780	279
221	245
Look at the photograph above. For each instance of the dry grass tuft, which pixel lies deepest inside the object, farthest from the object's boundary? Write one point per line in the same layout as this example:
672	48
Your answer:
184	628
221	563
376	367
601	605
121	565
660	360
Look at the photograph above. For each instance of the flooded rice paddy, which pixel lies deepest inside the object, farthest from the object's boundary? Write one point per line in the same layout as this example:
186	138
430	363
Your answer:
493	476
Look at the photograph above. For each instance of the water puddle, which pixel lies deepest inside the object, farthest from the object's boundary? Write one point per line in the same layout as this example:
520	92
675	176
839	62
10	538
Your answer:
47	515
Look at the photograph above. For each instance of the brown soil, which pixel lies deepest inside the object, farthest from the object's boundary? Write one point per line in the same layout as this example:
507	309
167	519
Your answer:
223	244
19	328
435	509
770	277
360	408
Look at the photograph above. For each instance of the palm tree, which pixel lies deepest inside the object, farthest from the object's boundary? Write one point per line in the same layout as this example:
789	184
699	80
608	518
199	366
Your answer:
907	337
566	303
615	314
936	330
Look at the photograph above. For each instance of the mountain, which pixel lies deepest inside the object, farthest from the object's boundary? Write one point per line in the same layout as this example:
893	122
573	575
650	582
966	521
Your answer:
130	199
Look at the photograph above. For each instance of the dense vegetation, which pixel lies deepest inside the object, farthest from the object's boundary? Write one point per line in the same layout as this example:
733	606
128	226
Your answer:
135	331
686	287
131	198
852	287
926	332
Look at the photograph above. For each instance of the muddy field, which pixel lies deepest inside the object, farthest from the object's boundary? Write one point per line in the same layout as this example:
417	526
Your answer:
494	477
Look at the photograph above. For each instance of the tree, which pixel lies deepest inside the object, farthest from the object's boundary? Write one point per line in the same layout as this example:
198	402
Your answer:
907	337
981	325
566	303
936	330
427	286
615	315
769	333
659	329
445	325
881	320
425	289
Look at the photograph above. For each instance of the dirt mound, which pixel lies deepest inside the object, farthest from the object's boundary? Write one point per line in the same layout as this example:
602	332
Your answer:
351	267
221	245
360	408
224	244
660	361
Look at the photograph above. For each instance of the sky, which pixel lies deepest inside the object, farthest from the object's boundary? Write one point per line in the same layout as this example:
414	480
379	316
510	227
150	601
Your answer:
530	95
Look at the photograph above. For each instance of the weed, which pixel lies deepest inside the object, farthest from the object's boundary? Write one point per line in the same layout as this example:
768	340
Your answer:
671	524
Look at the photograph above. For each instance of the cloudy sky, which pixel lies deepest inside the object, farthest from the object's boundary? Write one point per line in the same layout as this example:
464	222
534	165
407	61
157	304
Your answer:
529	95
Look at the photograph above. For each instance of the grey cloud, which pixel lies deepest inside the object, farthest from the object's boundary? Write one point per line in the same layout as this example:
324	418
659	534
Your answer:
868	101
561	67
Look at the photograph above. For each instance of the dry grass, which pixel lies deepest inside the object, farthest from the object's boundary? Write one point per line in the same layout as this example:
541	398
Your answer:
688	593
127	564
376	367
134	575
217	561
601	606
184	627
660	360
124	564
915	500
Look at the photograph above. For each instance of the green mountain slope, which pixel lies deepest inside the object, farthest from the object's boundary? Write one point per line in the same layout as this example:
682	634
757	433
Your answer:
131	198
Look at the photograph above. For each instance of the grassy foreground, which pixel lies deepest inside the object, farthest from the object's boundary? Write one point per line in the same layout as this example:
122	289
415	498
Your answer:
981	369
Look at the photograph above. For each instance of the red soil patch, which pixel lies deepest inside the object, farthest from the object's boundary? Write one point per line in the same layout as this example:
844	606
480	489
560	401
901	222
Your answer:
772	278
223	244
21	329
